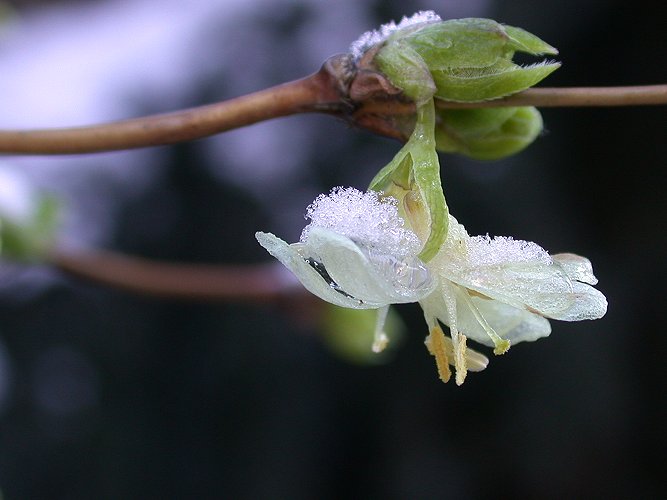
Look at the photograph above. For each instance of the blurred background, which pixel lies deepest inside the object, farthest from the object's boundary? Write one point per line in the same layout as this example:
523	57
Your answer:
107	394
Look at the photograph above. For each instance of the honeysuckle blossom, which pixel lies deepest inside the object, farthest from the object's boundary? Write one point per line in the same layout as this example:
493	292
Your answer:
358	252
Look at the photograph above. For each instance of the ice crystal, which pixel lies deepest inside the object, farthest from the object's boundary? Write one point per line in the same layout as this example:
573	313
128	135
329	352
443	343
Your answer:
363	217
487	251
373	37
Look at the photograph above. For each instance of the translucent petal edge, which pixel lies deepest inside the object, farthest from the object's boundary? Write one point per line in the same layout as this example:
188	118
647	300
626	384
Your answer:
308	276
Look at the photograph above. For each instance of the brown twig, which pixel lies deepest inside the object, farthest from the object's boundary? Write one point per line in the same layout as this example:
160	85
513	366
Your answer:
310	94
254	283
640	95
323	92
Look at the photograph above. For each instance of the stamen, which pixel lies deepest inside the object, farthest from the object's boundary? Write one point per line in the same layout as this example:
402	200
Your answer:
437	346
501	345
380	339
460	349
458	339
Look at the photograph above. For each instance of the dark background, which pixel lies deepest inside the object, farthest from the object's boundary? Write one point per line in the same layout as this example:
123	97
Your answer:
105	394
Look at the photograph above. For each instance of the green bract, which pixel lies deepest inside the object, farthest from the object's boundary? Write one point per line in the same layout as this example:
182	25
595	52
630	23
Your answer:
487	133
464	60
415	171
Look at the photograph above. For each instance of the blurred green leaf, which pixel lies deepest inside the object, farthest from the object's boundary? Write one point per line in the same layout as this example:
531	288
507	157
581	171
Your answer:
31	239
349	333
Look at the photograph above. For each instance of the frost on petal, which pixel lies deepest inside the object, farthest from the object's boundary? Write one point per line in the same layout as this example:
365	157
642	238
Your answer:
313	280
487	251
364	218
541	288
373	37
523	275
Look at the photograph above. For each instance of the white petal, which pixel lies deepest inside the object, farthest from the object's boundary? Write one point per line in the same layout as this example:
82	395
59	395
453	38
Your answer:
586	303
511	323
521	274
351	269
309	277
577	267
542	288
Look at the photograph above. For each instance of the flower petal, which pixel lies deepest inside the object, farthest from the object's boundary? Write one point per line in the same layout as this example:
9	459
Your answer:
586	303
511	323
307	275
545	289
352	270
576	267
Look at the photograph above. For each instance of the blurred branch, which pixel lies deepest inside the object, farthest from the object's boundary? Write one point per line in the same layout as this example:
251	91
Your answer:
309	94
364	98
254	283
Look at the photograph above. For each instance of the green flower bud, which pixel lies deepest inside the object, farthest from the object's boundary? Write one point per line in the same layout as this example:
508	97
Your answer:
465	60
487	133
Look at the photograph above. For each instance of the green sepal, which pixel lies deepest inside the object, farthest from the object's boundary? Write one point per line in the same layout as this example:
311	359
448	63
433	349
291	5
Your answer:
493	82
523	41
461	43
408	71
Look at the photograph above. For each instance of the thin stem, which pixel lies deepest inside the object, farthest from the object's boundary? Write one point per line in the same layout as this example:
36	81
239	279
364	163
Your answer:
641	95
255	283
319	92
309	94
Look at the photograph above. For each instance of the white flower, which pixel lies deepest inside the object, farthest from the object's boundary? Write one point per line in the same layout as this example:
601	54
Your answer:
357	253
498	291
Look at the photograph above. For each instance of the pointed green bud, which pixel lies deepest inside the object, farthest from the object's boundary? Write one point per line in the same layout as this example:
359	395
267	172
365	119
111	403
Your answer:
487	133
522	41
468	60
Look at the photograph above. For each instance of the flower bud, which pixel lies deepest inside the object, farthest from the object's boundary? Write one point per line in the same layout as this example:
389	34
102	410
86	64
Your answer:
487	133
464	60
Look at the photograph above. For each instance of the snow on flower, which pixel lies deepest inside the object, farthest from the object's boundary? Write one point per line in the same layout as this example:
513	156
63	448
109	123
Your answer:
357	252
